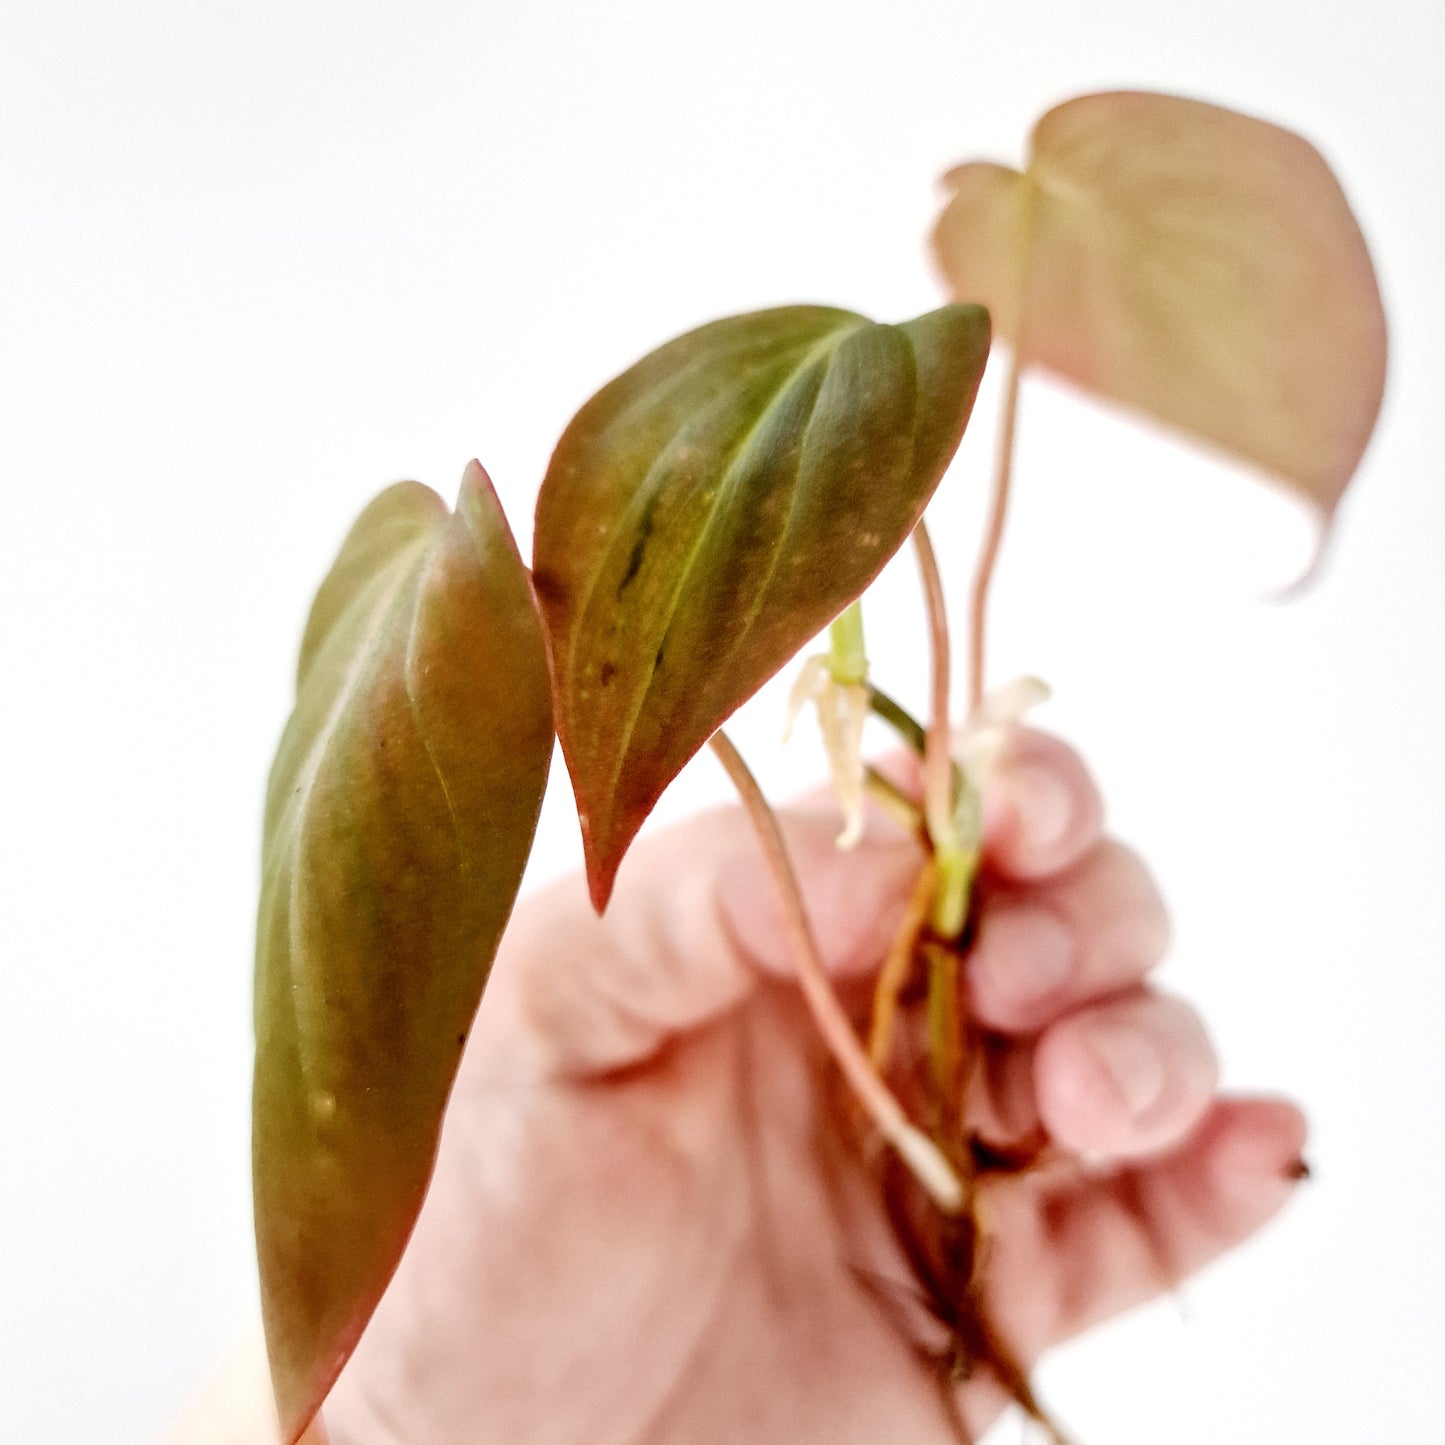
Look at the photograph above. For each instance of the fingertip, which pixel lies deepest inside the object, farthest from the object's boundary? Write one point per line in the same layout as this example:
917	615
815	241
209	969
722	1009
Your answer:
1090	933
1023	959
1119	1237
1249	1155
1125	1079
1042	811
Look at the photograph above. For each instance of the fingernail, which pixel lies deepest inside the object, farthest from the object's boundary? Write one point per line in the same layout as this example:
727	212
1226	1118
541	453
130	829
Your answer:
1040	803
1135	1064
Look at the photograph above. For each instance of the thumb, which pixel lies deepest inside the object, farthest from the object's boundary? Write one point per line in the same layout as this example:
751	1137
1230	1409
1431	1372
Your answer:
696	919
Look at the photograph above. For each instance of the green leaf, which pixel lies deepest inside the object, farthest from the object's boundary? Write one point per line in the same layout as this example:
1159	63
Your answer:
712	509
1188	262
400	812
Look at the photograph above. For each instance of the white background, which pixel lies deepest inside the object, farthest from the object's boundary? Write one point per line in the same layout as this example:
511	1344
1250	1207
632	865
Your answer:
257	261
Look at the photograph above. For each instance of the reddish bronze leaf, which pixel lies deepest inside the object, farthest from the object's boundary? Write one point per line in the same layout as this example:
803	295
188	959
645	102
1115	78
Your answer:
399	816
1188	262
713	508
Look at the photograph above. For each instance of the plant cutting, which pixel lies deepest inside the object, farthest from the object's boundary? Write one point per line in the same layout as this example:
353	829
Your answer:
704	518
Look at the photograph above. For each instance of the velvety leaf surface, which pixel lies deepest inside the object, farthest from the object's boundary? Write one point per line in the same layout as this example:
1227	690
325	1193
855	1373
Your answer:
712	509
400	812
1197	265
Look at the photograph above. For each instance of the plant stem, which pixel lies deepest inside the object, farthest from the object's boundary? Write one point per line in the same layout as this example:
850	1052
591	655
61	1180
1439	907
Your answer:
847	656
898	718
954	856
894	973
915	1148
945	1034
993	537
937	765
957	865
893	800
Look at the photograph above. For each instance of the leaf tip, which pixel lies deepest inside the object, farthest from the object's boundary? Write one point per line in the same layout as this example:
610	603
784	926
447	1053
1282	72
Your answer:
602	865
476	479
298	1410
608	832
600	882
1324	535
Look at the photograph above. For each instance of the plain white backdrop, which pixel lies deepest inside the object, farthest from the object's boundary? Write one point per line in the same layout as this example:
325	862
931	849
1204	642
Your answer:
258	261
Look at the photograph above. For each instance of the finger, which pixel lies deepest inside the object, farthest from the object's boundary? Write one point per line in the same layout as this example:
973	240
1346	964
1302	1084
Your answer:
1118	1080
1126	1078
1042	812
1099	1246
1093	930
696	918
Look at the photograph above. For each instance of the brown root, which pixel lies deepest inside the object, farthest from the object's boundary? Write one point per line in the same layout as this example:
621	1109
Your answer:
949	1253
948	1257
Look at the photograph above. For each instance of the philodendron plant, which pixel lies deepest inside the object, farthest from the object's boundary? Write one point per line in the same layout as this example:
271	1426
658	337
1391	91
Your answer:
704	517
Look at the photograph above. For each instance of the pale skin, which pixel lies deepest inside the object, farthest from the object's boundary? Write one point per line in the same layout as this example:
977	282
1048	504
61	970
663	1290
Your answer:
648	1223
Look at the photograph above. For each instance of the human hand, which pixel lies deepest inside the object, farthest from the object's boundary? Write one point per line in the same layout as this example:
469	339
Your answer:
649	1221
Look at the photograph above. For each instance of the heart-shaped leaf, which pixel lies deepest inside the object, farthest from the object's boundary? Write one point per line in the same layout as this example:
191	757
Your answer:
1191	263
399	816
711	510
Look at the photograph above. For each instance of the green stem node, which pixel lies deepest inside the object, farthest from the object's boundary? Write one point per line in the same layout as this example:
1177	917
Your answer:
847	656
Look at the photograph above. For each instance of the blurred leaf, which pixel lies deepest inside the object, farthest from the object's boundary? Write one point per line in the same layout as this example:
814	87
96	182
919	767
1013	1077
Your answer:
400	813
711	510
1188	262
